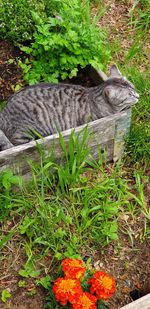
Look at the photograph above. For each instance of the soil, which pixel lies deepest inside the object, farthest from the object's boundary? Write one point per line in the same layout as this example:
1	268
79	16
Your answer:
128	261
10	73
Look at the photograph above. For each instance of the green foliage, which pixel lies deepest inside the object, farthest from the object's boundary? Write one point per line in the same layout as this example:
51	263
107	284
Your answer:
7	180
70	207
101	305
16	21
5	296
61	211
140	15
136	46
65	42
45	282
75	155
138	143
140	22
21	283
29	270
52	6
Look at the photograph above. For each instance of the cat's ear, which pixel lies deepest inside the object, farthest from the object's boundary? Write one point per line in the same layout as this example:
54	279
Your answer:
114	71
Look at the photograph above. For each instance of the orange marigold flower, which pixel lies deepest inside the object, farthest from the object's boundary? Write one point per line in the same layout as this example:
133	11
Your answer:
73	268
102	285
85	301
66	289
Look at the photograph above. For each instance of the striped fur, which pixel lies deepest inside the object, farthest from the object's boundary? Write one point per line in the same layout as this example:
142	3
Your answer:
47	108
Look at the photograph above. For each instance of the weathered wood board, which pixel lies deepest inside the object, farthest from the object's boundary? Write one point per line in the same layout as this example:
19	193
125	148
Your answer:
108	133
141	303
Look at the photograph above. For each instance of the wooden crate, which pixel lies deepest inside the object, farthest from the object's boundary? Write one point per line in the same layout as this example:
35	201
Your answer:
141	303
108	133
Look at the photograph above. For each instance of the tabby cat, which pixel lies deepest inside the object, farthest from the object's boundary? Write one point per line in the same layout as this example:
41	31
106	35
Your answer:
47	108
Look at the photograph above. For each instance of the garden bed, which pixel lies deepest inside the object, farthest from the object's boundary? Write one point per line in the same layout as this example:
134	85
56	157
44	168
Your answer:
126	259
107	133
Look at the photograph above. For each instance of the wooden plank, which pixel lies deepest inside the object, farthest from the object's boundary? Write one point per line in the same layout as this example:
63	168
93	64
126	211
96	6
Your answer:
103	130
141	303
121	131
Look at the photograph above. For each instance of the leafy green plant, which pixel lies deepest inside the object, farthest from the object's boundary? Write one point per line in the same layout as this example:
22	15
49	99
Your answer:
52	6
7	180
63	43
21	283
29	270
16	21
5	295
45	282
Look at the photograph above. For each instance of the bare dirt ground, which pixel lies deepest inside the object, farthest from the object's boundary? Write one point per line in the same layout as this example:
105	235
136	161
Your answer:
10	73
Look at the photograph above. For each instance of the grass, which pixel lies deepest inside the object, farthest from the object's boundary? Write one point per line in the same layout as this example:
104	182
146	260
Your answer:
140	15
138	144
62	210
68	208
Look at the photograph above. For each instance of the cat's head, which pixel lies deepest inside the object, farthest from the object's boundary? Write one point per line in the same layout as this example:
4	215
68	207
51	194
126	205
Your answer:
118	91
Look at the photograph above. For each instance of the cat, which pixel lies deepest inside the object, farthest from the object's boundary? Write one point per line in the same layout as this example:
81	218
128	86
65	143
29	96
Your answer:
48	108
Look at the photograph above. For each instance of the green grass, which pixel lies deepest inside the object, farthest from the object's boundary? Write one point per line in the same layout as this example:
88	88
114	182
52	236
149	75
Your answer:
61	210
69	208
138	144
140	15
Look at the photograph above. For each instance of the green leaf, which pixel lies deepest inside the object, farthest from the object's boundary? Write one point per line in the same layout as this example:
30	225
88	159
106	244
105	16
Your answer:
5	295
73	73
44	281
36	18
21	283
47	166
7	237
29	272
114	236
27	50
58	256
101	305
26	224
24	273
